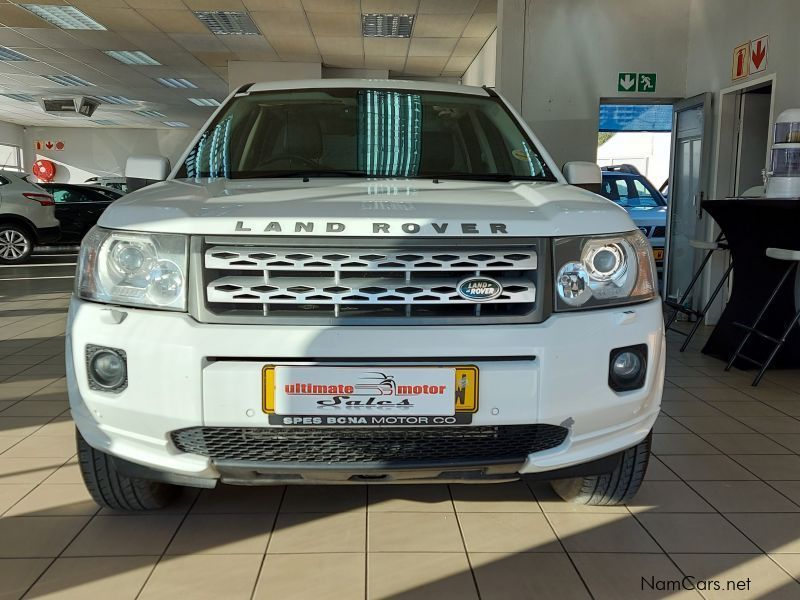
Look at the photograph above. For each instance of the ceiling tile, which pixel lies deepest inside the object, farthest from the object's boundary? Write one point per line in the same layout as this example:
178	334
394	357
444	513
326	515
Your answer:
335	24
53	38
246	43
281	24
214	59
389	6
38	68
174	21
151	41
106	40
425	65
344	61
468	46
48	55
459	63
14	16
221	71
447	6
200	42
120	19
294	45
301	58
481	25
7	67
431	46
393	63
157	4
82	4
273	4
385	47
439	25
270	56
340	45
351	6
13	39
214	4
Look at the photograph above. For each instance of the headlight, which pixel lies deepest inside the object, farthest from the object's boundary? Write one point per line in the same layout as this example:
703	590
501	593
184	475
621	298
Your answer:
133	269
602	271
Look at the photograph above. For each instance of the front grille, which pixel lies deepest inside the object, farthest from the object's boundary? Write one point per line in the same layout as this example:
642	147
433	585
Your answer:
346	283
387	446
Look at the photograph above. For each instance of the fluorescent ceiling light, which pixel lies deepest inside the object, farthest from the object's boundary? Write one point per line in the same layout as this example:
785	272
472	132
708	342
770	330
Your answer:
66	17
20	97
204	101
151	113
175	123
172	82
227	22
116	100
386	25
67	80
132	57
9	54
104	122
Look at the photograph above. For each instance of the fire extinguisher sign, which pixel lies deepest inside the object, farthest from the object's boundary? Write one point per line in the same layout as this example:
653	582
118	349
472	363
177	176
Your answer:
741	61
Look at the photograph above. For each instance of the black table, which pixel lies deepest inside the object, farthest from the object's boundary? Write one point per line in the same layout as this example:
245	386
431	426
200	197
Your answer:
752	225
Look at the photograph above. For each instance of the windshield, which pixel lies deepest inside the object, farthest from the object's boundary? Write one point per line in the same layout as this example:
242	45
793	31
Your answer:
630	191
365	133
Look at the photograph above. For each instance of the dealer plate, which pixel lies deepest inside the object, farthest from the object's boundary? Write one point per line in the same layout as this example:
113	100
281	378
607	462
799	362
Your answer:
370	395
658	253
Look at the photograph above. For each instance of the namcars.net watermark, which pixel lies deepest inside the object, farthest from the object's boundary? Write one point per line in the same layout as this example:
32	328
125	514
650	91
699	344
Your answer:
693	583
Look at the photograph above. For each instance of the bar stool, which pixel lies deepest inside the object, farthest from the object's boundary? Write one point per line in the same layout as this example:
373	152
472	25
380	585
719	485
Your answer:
678	307
792	256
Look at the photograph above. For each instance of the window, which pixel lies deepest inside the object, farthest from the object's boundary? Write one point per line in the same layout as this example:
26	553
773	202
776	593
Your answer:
631	192
365	133
10	157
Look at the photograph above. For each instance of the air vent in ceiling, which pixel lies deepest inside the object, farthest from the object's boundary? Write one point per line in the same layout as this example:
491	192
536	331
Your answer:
118	100
227	22
175	82
204	101
78	106
386	25
65	17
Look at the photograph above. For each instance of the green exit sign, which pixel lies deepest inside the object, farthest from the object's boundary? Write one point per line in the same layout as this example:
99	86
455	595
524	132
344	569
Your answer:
630	82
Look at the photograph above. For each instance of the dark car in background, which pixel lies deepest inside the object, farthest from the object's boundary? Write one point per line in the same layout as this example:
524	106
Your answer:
78	207
631	190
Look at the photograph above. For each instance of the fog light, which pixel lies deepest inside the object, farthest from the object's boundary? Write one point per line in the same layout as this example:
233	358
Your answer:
107	369
627	368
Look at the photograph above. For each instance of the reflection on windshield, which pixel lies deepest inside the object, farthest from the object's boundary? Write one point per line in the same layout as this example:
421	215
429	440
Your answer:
390	125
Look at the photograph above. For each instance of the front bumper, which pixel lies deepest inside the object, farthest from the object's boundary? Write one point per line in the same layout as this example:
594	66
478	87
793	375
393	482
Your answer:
185	374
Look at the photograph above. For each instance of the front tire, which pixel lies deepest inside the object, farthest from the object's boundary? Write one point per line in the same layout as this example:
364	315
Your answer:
16	244
111	489
616	487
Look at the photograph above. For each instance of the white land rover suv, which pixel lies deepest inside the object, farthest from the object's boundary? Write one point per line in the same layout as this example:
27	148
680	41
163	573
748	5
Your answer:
363	282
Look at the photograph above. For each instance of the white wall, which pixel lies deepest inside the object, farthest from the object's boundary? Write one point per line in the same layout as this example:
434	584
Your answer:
11	133
647	151
94	151
481	70
574	50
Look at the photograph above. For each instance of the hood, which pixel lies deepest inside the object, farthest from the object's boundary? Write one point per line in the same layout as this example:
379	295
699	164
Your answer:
365	207
649	215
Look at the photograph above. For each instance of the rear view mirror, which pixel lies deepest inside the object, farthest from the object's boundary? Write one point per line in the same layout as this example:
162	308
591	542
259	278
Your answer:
144	170
586	175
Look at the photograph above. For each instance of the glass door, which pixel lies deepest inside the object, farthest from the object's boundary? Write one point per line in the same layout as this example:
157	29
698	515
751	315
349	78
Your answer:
689	167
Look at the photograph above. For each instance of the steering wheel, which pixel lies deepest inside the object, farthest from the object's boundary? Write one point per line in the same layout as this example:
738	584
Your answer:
288	157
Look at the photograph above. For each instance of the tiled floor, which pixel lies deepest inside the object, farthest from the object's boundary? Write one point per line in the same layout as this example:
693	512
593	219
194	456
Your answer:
721	502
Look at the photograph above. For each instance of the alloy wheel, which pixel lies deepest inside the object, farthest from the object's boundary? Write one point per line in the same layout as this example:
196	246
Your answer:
13	245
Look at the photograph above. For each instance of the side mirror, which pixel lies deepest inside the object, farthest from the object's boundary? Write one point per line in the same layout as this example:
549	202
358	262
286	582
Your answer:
144	170
586	175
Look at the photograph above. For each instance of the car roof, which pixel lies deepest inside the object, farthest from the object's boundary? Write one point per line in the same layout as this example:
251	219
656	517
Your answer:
83	186
386	84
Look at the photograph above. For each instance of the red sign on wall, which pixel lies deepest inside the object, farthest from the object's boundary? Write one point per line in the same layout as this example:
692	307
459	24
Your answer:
741	61
758	54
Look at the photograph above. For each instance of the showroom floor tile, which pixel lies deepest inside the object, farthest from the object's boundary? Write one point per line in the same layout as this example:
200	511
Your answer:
721	502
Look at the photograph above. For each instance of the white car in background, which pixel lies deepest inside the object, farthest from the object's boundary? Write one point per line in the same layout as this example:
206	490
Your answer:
27	217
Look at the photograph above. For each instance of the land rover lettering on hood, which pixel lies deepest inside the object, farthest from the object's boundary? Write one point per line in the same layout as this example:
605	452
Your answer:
348	282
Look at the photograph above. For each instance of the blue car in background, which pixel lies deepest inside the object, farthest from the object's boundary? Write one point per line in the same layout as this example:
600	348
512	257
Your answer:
626	186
